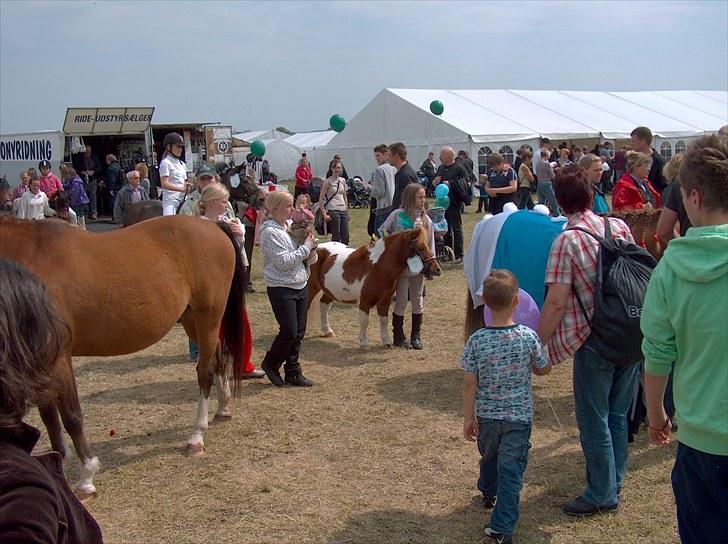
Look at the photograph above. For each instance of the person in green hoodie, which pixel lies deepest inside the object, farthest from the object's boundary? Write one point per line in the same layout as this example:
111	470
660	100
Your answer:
684	320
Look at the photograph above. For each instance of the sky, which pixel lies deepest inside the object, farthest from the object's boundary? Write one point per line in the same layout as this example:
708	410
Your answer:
259	65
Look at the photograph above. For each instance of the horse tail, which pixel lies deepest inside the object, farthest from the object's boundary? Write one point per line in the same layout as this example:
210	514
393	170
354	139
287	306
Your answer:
232	335
473	316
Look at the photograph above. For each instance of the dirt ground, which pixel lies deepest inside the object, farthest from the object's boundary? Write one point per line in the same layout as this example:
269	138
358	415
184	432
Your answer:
372	454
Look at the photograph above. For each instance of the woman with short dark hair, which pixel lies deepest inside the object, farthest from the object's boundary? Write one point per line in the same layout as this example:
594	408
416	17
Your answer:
602	391
36	504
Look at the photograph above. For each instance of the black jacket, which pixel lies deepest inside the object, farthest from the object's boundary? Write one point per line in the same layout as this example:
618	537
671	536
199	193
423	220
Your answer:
36	503
657	179
114	177
402	178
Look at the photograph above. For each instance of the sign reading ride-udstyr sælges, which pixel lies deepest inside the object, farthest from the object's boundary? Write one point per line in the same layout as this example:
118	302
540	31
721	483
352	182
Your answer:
87	121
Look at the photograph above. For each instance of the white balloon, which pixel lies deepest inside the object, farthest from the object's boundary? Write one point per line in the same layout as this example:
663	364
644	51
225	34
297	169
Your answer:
542	209
510	207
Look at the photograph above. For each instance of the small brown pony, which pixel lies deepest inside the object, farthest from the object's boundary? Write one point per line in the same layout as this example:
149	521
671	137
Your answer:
137	282
367	276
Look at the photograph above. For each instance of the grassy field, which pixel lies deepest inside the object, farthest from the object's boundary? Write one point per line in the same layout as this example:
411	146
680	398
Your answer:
372	454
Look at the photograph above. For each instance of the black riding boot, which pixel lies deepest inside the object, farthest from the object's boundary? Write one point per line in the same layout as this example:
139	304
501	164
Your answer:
415	336
399	340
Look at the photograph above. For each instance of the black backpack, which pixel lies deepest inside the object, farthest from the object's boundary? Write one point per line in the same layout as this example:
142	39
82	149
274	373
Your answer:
460	188
623	272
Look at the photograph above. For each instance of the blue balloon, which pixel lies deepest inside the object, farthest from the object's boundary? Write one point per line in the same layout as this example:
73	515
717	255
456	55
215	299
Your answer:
442	202
442	190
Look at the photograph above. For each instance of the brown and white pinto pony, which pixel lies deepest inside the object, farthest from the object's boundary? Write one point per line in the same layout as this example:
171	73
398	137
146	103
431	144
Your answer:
367	276
122	291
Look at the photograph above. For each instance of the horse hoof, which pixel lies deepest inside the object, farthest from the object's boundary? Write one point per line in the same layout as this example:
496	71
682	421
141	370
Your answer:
327	334
195	450
221	418
84	493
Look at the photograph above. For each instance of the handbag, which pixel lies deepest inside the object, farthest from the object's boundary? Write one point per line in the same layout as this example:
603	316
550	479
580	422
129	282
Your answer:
319	223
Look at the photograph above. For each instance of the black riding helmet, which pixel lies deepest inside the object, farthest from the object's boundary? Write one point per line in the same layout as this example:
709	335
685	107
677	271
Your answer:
173	138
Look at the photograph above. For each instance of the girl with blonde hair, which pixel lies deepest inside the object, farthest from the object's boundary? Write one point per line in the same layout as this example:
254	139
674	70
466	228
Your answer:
211	206
413	213
286	279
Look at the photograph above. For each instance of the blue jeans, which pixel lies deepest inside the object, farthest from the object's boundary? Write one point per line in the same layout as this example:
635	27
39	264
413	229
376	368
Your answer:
700	485
602	396
546	196
194	350
503	447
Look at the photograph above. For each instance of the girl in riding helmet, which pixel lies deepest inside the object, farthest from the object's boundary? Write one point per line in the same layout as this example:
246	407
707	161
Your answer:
173	174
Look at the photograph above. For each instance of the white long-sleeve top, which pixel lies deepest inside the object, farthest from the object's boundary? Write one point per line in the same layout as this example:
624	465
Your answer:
34	206
283	259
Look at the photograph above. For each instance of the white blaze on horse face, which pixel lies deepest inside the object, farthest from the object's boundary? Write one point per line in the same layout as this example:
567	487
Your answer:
363	324
376	251
334	278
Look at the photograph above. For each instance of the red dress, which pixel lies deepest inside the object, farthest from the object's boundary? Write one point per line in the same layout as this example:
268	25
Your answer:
627	196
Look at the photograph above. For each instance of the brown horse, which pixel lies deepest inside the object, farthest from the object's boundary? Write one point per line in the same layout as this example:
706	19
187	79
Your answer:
367	276
136	212
137	283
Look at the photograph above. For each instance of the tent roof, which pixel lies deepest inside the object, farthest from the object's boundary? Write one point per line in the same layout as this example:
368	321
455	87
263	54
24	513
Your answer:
250	135
309	140
502	115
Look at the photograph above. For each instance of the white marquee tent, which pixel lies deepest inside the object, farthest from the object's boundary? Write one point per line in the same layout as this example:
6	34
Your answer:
251	135
313	143
485	121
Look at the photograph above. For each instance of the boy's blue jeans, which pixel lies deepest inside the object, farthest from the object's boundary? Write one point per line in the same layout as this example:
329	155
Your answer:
503	447
602	395
700	484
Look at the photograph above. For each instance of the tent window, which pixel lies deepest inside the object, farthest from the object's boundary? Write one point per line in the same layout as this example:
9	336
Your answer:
507	152
680	147
666	150
483	154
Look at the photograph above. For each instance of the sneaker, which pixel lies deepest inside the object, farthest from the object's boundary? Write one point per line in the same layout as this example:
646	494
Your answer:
253	374
273	375
580	508
500	538
489	502
298	380
249	288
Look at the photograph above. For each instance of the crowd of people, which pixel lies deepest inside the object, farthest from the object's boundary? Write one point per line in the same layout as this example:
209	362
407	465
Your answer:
683	309
684	345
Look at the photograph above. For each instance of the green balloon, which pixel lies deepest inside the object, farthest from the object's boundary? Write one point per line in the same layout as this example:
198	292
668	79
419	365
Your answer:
337	122
257	148
436	107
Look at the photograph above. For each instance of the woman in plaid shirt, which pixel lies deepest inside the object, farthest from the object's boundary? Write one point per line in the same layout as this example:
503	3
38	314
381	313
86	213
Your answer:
602	391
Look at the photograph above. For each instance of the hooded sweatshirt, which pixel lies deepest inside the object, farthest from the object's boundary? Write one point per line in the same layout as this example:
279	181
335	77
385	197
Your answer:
684	320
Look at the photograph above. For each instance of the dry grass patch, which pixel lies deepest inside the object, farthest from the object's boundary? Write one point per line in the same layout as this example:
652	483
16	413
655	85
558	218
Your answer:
372	454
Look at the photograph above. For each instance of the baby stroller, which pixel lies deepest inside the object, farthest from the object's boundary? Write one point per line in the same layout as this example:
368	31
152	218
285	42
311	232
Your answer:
358	193
444	253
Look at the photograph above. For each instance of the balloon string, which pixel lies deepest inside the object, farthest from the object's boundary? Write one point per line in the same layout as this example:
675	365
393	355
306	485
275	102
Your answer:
561	427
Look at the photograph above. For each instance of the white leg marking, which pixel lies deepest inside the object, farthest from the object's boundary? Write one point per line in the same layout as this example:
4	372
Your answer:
86	475
222	384
384	330
196	441
363	324
324	313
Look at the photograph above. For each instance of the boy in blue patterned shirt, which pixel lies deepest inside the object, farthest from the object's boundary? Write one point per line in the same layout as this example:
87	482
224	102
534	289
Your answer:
498	402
